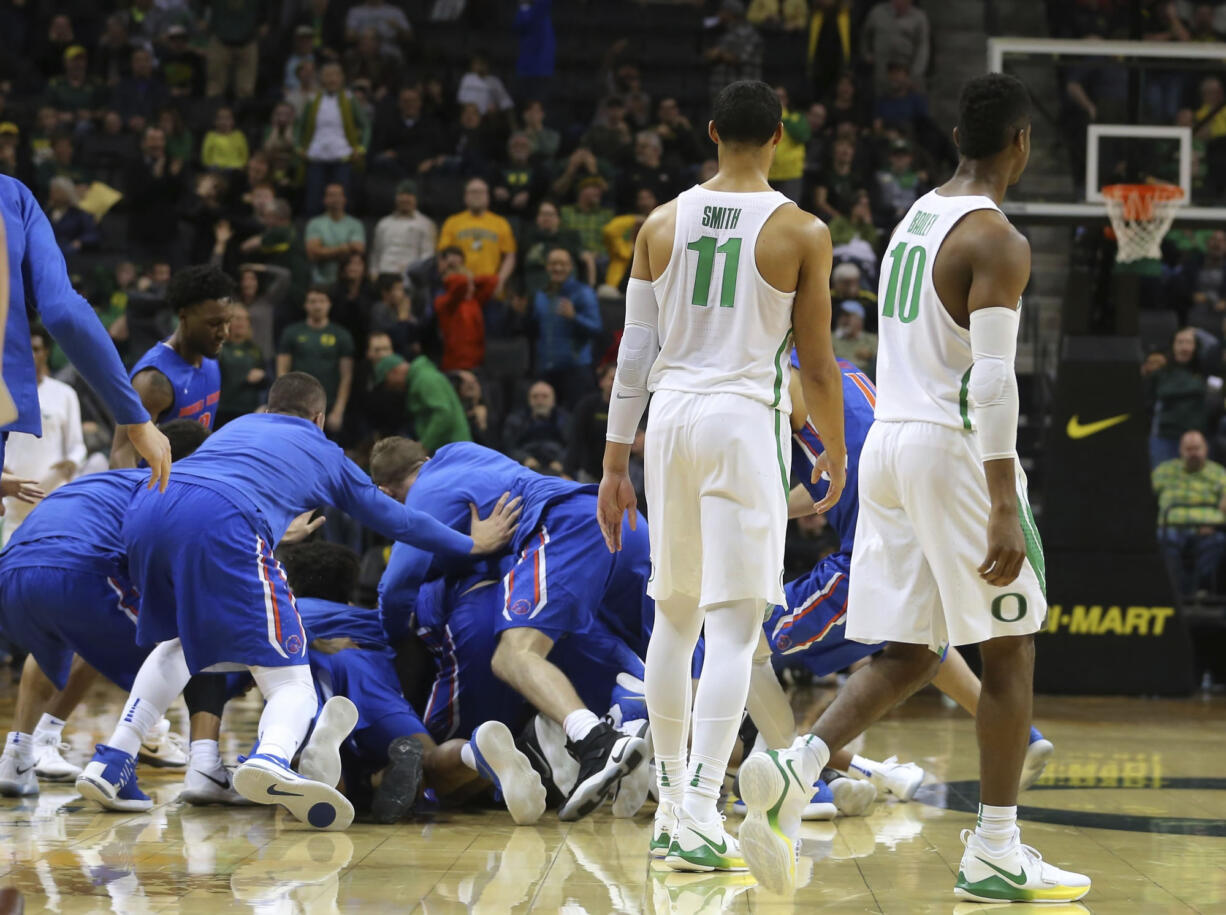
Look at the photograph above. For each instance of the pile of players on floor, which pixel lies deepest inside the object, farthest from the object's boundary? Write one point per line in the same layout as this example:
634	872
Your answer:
531	630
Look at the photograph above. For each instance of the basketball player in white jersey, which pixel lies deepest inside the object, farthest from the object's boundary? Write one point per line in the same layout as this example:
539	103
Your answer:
723	278
946	547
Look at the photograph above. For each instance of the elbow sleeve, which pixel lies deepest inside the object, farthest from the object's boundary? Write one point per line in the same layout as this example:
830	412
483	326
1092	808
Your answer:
993	382
637	354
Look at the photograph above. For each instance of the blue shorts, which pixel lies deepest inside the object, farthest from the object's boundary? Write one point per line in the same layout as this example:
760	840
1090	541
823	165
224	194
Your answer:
591	661
55	612
565	577
466	693
206	575
368	679
811	630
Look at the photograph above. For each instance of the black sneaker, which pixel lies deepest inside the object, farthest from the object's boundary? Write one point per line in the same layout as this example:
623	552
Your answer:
605	756
528	742
397	793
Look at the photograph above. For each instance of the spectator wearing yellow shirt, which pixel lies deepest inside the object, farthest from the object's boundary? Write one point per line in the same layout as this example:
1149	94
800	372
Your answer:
484	237
1191	491
619	235
1211	115
787	174
224	146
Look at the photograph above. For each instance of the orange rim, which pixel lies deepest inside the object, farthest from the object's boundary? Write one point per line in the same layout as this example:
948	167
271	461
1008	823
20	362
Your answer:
1138	199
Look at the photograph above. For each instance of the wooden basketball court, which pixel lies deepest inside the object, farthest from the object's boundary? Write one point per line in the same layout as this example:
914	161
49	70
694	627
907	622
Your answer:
1135	796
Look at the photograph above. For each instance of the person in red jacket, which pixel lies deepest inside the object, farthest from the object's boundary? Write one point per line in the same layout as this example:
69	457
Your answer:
461	321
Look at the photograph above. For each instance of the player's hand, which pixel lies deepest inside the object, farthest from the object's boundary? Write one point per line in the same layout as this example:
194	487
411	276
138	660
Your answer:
615	498
13	487
1006	549
493	532
154	447
302	527
833	469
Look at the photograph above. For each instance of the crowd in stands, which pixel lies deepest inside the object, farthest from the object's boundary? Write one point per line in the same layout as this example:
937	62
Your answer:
441	236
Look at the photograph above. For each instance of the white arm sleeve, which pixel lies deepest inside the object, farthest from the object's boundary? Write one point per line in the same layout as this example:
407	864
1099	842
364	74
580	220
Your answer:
993	383
639	347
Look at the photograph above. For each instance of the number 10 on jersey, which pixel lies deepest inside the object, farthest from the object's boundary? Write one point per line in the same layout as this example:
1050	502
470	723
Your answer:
705	246
905	295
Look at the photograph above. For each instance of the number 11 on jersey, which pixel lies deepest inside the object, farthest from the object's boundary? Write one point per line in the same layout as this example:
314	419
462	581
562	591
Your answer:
705	246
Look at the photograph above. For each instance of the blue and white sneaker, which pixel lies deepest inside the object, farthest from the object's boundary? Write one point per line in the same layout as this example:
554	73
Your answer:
629	701
851	796
512	774
109	780
267	779
1037	754
821	806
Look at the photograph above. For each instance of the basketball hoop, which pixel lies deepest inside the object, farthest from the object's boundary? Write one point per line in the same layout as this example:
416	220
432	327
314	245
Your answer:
1141	214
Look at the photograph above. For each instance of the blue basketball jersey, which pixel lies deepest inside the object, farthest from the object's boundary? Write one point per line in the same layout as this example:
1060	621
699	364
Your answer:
196	390
859	399
325	619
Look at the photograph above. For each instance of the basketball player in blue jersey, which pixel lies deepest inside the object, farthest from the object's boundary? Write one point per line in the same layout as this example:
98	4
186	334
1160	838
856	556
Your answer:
179	378
64	588
352	658
213	595
36	276
560	582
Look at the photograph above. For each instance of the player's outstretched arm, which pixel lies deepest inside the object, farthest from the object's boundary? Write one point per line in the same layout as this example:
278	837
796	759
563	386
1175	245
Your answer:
143	440
1000	268
639	347
820	379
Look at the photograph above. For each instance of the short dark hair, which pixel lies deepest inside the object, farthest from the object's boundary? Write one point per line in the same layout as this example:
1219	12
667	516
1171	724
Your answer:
319	569
193	285
320	289
394	458
297	394
451	249
747	112
37	330
389	281
185	436
990	109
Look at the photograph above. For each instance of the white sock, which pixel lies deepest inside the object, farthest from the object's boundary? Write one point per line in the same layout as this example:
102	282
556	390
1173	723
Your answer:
731	638
49	728
578	724
290	703
160	679
667	690
997	828
861	767
19	746
467	757
205	755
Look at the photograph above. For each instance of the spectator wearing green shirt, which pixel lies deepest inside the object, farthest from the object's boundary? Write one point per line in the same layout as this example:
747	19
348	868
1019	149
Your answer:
233	54
243	376
1176	386
321	348
1191	491
586	217
332	236
76	96
429	399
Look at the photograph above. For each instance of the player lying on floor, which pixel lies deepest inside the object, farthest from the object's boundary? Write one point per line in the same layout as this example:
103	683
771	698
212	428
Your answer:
64	588
214	597
456	617
561	580
375	745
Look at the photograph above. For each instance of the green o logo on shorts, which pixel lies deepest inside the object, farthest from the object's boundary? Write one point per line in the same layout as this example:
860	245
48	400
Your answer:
999	606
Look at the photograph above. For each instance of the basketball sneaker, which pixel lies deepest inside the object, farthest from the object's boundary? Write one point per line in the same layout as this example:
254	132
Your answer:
605	756
49	762
396	795
629	703
899	779
662	829
544	743
852	797
163	748
202	787
631	792
702	847
512	774
267	779
776	785
109	780
1037	754
821	806
320	759
1017	875
17	777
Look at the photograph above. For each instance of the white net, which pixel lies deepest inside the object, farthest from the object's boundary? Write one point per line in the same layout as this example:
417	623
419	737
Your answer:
1141	215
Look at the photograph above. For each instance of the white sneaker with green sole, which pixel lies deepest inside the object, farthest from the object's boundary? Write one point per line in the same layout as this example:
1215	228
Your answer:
1018	875
703	847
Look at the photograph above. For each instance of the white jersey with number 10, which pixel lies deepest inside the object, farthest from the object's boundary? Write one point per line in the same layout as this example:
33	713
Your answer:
723	328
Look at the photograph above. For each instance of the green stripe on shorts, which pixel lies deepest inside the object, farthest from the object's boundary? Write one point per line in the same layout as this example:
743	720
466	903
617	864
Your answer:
1034	545
783	468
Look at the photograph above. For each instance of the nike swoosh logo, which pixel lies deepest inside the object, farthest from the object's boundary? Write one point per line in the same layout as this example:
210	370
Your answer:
720	849
272	789
621	396
1076	429
617	757
21	771
1019	878
220	784
791	768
